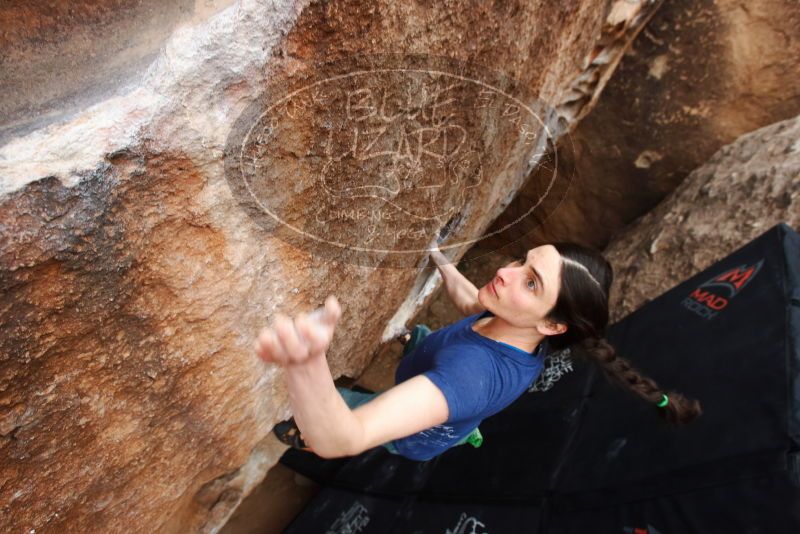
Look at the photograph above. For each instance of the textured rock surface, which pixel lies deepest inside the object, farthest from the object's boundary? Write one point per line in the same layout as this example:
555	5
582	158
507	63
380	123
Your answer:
133	283
701	74
59	56
745	188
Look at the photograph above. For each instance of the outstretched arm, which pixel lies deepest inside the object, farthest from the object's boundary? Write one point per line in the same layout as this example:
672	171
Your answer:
407	408
328	426
461	291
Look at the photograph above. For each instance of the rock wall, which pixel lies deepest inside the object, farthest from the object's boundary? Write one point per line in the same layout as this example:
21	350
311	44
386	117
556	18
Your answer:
744	189
702	74
58	57
135	270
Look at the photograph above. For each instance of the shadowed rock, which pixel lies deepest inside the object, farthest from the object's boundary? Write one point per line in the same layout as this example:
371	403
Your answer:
702	74
745	188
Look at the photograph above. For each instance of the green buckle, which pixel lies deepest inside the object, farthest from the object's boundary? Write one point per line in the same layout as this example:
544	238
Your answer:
475	438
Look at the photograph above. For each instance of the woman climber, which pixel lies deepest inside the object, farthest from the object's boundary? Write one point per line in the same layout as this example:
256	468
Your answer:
554	297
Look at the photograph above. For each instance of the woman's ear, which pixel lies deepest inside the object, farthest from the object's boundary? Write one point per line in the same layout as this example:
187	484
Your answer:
552	328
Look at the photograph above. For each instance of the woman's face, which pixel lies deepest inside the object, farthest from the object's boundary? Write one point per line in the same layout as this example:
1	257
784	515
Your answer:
525	290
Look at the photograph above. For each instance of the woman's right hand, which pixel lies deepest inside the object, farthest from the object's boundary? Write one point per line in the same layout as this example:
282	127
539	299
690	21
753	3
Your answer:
291	342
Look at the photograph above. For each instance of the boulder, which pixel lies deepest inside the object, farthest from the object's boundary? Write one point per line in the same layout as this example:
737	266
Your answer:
745	188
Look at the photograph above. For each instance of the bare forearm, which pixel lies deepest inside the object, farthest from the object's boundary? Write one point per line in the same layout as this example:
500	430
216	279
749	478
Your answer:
299	346
461	291
327	424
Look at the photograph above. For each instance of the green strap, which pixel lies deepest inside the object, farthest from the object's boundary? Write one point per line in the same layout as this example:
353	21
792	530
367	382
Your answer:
475	438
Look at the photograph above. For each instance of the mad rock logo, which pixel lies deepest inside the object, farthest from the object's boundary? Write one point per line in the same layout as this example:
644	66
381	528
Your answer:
714	295
468	525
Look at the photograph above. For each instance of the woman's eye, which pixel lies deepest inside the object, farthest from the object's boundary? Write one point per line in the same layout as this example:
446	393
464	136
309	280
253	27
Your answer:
531	281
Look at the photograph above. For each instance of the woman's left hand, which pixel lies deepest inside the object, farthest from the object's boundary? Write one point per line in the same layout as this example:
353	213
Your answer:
293	342
436	255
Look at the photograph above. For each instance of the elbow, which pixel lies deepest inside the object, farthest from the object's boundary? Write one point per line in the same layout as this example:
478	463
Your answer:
326	449
355	445
333	454
327	454
345	438
331	449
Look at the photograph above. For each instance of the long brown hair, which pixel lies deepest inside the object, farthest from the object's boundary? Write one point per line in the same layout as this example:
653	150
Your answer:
582	304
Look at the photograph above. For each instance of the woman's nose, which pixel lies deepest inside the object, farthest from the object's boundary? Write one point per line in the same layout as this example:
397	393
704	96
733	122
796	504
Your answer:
503	274
507	273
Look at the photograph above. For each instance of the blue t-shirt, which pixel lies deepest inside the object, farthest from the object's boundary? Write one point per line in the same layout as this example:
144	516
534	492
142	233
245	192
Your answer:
477	375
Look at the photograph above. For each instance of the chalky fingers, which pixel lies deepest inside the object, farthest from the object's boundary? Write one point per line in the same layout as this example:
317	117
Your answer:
294	349
314	335
267	346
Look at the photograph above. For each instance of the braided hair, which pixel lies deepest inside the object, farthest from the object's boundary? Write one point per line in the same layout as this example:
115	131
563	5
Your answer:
582	304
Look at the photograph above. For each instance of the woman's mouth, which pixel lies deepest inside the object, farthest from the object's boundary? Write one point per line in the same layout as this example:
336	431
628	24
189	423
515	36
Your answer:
491	286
